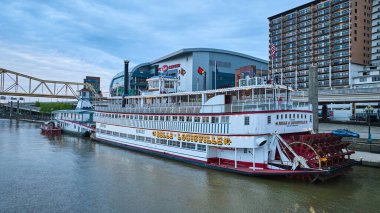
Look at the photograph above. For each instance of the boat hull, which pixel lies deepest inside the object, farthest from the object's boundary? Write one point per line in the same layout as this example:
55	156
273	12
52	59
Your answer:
321	175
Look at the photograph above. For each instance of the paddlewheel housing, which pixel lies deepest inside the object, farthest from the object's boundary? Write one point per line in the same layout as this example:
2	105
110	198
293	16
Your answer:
322	151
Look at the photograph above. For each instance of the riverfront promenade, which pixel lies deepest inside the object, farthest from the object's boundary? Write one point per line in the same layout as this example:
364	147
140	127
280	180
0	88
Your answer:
367	158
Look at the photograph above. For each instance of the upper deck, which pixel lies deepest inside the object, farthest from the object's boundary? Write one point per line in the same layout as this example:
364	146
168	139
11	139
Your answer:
252	98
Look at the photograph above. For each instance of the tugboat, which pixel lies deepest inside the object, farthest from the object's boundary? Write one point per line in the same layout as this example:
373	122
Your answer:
78	121
49	128
254	130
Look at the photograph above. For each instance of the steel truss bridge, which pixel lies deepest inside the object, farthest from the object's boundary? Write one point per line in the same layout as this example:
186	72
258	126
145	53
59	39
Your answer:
18	84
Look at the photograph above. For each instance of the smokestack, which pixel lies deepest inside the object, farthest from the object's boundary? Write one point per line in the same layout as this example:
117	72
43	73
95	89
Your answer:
126	82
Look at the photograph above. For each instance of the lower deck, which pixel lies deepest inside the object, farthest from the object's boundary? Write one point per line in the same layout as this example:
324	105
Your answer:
226	166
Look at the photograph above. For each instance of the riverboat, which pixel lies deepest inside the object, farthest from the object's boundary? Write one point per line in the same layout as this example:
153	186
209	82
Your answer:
78	121
254	130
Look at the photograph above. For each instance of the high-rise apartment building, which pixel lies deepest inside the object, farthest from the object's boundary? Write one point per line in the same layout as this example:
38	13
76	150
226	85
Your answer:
375	60
334	35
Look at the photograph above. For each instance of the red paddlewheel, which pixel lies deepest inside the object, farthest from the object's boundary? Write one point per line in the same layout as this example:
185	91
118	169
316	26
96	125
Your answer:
308	153
319	150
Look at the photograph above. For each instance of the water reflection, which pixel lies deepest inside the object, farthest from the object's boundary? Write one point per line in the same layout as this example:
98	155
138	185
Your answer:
68	173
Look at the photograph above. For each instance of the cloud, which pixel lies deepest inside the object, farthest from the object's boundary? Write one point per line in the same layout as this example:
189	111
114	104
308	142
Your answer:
66	38
52	65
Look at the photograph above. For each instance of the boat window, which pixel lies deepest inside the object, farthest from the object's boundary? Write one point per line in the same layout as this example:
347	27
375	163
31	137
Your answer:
150	117
181	118
205	119
277	117
162	118
140	117
156	118
294	115
168	118
197	119
214	120
282	116
286	116
127	117
311	118
298	115
136	117
175	118
189	119
269	119
145	117
201	147
246	120
225	119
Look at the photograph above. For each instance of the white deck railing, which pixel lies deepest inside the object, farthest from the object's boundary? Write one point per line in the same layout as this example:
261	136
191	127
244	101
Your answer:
194	108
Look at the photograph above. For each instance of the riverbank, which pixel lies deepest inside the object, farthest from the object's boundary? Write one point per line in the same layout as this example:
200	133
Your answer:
33	121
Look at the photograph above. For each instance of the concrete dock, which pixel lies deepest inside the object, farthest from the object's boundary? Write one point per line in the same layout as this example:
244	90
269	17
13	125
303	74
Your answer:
367	158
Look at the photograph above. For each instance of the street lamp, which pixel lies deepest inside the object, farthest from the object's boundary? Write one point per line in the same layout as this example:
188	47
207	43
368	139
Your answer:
369	109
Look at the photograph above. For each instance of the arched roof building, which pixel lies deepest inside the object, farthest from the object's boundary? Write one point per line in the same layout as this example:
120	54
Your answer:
184	64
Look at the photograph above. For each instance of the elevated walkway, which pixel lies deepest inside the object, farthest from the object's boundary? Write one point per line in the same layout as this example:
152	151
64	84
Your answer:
343	95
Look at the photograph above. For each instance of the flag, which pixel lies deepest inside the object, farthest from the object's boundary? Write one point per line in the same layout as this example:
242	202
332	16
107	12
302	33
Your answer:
201	71
273	50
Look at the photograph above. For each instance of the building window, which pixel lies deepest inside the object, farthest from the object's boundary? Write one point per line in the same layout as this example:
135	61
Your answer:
246	120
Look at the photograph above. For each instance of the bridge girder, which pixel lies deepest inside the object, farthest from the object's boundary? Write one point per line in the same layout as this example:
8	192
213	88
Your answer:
17	84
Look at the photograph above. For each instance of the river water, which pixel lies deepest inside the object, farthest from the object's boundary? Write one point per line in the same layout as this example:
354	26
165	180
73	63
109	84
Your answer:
71	174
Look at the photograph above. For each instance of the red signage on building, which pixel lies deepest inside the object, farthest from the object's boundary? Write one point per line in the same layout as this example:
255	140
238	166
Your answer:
166	67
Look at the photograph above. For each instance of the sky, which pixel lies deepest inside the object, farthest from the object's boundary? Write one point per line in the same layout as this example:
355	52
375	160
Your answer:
69	39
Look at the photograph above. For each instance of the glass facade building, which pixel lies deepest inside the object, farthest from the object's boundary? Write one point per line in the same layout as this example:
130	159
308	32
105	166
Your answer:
219	70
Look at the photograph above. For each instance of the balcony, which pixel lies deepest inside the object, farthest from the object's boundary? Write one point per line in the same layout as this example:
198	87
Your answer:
339	75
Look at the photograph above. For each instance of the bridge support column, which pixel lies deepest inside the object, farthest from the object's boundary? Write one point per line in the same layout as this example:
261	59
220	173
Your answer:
313	96
18	107
324	112
11	110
